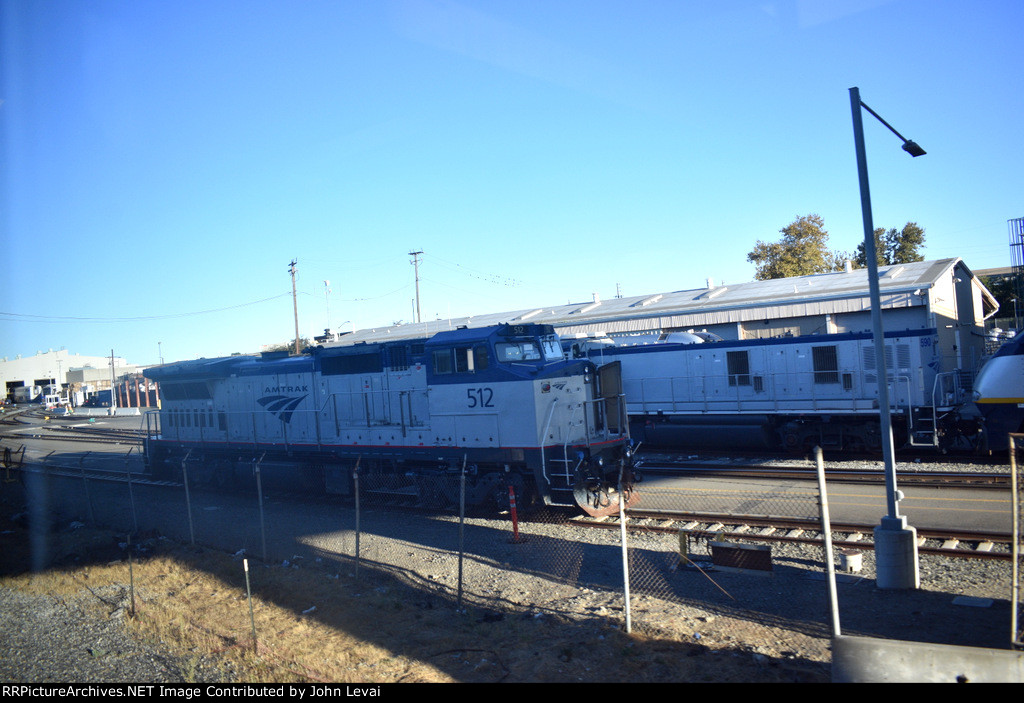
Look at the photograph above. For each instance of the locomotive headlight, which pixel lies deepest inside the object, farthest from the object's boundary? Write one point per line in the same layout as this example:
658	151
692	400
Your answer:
977	395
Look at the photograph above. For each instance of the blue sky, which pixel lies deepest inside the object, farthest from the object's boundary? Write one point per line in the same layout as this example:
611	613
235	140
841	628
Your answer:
163	162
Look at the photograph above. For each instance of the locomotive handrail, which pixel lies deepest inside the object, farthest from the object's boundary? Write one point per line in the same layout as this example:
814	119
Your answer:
547	426
565	444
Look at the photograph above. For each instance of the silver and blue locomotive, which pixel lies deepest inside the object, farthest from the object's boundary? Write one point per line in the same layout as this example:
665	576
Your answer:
501	401
793	392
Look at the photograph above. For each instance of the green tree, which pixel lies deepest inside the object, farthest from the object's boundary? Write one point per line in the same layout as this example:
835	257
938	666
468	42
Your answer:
290	346
1004	290
895	246
802	250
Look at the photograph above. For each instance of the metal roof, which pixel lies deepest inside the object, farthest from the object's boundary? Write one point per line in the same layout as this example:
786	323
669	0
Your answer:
844	291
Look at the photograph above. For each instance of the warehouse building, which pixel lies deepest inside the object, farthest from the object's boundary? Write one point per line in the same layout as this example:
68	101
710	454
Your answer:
942	294
72	373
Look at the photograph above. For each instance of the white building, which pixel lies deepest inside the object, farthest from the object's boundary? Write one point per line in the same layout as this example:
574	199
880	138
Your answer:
943	294
62	368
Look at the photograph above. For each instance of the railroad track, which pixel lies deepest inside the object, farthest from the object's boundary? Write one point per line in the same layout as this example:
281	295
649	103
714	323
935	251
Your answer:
696	527
78	433
767	530
923	478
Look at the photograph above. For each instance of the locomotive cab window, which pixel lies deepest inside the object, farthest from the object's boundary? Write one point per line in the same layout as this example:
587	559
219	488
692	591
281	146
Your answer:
552	348
480	358
517	351
442	361
466	360
826	364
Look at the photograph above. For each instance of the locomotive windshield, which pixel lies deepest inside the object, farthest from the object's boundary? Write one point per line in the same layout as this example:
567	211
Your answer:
552	348
517	351
546	348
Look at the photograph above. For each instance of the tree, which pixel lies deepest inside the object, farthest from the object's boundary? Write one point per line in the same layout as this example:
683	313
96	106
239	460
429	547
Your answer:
894	246
290	346
801	251
1004	290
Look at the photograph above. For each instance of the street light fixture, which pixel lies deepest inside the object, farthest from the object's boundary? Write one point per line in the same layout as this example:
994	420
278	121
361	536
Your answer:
895	542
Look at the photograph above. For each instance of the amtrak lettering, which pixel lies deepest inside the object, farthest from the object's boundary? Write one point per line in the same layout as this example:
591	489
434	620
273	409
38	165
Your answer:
286	389
282	405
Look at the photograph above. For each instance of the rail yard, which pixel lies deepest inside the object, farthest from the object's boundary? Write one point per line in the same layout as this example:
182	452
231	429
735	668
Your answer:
110	448
563	563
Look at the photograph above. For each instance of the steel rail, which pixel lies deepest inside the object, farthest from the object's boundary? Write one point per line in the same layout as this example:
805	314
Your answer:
707	526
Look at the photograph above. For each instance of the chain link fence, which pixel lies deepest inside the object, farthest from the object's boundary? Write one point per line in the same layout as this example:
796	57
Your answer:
650	574
1017	596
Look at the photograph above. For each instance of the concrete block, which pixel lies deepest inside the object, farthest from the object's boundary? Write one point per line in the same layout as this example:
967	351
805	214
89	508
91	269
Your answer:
869	660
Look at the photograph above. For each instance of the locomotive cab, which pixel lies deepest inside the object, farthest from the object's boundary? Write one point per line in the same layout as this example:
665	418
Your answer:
510	387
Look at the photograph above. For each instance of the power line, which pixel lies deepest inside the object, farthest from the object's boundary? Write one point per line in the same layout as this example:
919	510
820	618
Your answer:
496	279
23	317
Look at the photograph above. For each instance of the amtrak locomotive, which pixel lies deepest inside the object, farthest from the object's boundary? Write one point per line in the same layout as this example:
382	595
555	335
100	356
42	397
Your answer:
501	401
999	392
794	392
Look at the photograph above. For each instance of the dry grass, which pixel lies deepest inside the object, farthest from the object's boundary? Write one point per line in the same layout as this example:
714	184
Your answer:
318	622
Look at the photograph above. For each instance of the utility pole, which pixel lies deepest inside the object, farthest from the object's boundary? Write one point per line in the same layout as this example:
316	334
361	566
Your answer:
416	267
295	303
327	300
113	382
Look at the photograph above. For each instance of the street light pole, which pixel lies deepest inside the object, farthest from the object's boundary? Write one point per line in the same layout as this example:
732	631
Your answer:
895	542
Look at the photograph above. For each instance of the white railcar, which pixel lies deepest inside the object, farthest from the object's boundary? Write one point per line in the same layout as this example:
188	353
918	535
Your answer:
793	392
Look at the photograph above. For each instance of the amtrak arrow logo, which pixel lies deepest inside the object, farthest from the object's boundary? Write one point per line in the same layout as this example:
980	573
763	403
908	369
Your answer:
281	405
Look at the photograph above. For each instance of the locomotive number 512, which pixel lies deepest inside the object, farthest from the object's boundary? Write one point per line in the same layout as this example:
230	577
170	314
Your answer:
480	397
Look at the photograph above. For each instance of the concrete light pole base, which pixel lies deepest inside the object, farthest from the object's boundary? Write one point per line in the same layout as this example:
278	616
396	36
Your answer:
896	564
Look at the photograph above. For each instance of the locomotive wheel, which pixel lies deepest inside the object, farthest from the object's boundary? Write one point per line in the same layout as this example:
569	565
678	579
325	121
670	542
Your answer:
602	500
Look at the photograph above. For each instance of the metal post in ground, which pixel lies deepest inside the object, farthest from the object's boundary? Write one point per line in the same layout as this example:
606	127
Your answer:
131	491
355	480
248	595
259	498
131	578
1016	636
625	550
85	485
826	535
462	524
188	498
512	507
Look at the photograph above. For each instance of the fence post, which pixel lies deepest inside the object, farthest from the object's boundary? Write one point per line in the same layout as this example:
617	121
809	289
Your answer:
826	534
625	552
355	479
248	596
85	485
1016	636
259	498
462	524
188	498
131	577
131	491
